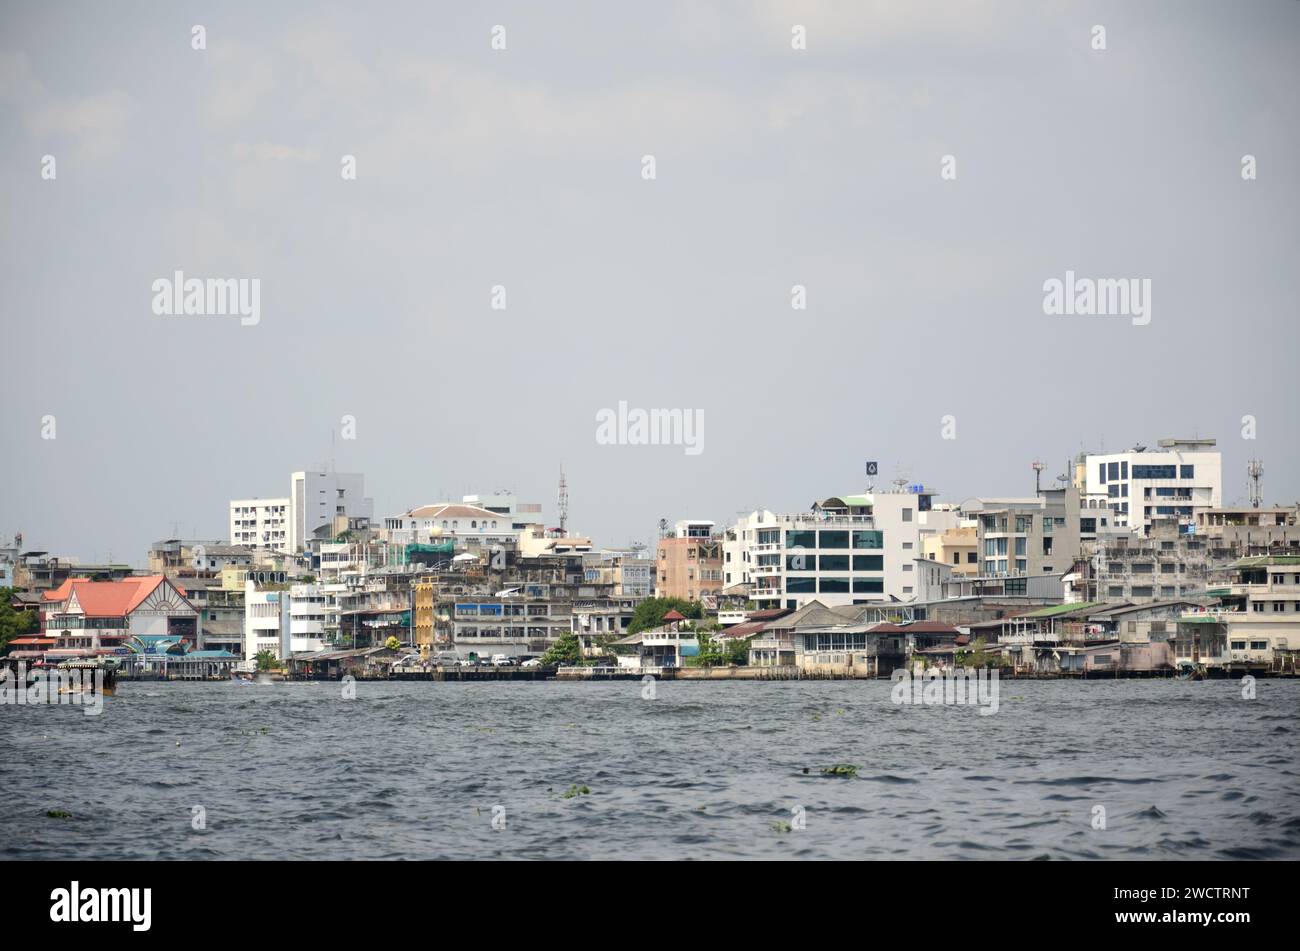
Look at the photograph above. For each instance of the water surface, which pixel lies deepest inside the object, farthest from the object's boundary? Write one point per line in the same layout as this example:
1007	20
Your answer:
704	770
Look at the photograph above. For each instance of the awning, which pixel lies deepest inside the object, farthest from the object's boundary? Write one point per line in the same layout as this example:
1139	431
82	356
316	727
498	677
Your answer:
33	641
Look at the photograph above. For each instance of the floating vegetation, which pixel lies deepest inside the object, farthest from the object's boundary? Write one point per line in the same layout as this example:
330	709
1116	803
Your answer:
782	826
575	790
840	769
57	814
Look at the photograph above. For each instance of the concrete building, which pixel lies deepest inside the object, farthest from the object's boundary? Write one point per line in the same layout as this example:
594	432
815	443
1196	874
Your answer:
955	547
688	564
318	498
1141	486
465	525
285	621
848	549
1028	538
1256	622
520	515
261	523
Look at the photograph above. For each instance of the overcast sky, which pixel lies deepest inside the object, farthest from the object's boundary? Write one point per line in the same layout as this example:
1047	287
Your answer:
523	168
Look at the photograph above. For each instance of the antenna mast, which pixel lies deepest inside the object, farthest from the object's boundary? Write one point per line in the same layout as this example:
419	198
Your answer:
562	502
1255	470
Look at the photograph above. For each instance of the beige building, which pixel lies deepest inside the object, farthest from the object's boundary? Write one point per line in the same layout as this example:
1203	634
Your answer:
689	563
957	547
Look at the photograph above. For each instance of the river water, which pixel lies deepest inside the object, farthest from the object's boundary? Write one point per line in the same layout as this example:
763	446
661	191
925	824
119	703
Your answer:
701	770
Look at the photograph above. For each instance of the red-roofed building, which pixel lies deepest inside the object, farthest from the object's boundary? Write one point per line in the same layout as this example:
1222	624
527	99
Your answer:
86	616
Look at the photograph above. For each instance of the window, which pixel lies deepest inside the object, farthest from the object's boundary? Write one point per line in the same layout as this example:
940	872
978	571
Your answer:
868	585
1187	472
1154	472
868	562
1123	470
834	539
868	539
800	539
801	562
971	558
1020	546
907	515
834	585
835	563
1112	472
1101	473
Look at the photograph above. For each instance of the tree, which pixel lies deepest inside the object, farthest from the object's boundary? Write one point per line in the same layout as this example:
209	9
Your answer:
565	650
650	612
14	623
392	643
721	653
266	660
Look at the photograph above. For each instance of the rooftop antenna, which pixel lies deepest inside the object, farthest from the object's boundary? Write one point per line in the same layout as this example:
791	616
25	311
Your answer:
1038	468
562	501
1255	470
663	528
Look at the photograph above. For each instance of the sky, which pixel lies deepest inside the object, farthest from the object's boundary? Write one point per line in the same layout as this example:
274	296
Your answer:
920	170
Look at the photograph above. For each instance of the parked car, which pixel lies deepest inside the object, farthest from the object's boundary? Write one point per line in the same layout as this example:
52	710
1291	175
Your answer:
466	662
410	660
532	662
502	660
446	659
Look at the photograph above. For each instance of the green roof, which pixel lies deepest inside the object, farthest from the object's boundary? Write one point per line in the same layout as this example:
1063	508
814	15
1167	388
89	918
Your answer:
1056	609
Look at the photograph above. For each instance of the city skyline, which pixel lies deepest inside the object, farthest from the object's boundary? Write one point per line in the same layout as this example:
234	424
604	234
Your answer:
522	168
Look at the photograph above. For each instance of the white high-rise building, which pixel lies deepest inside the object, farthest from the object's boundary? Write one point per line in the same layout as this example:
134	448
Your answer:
1175	482
283	622
260	523
318	498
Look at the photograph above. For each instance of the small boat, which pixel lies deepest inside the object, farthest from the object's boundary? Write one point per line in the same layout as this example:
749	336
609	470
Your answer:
240	678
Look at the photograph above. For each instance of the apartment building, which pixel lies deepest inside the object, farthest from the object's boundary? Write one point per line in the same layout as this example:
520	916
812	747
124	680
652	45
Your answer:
1141	486
505	504
260	523
1256	621
956	547
284	620
688	564
1023	538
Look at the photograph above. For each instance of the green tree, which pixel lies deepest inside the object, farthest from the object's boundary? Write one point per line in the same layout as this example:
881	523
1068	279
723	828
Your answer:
650	612
392	643
565	650
14	623
720	653
266	660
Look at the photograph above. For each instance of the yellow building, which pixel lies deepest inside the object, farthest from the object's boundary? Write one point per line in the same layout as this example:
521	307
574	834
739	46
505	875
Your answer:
958	547
426	600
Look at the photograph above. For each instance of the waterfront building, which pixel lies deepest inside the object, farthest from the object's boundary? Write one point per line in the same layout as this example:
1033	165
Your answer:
849	549
663	647
87	617
283	619
1140	487
688	564
1255	623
